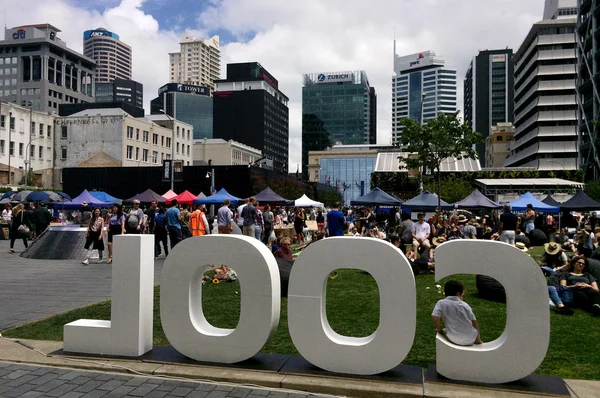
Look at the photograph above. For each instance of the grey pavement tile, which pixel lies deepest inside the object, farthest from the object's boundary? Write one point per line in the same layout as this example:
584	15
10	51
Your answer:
122	377
166	386
4	372
205	387
89	386
217	394
20	381
4	364
277	394
120	392
71	375
95	394
111	385
143	390
44	378
239	392
105	376
32	394
197	394
80	380
260	392
157	394
297	395
224	388
256	396
17	392
41	371
181	391
72	394
16	374
52	384
137	381
61	390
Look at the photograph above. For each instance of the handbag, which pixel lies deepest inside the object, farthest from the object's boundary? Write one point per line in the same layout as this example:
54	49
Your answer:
23	229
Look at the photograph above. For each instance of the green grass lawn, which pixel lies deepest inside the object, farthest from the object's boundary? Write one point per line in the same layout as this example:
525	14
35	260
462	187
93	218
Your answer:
353	310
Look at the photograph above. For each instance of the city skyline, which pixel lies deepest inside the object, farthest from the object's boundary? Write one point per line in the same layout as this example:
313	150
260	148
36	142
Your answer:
355	36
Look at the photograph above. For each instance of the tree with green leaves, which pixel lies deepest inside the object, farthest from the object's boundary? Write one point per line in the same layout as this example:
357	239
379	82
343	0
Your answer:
441	138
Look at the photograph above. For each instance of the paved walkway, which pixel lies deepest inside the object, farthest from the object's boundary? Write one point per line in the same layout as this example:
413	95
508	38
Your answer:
31	290
37	381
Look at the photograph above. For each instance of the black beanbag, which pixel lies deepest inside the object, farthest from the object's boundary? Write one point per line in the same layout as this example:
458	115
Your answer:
490	289
537	237
523	239
594	268
285	268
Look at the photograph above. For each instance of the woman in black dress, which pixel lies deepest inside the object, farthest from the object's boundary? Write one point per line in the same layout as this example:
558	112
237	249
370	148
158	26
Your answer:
19	217
299	225
94	237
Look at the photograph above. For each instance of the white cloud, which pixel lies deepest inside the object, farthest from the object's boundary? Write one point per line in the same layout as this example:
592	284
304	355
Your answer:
294	37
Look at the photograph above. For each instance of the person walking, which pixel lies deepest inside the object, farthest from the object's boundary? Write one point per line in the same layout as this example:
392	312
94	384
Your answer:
249	215
259	225
135	218
225	218
159	229
94	237
116	226
508	225
198	222
42	218
529	217
335	221
7	214
185	222
299	220
268	222
20	227
173	224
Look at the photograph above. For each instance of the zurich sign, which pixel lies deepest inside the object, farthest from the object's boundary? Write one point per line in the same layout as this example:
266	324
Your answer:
321	77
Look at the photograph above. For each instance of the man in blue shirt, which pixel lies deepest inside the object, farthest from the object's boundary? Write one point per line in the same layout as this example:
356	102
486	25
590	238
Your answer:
173	225
335	221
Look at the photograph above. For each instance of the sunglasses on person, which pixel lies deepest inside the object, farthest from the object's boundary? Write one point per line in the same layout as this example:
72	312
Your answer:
580	262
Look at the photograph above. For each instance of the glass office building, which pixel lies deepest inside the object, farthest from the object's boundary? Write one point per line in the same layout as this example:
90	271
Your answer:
337	107
349	175
187	103
421	89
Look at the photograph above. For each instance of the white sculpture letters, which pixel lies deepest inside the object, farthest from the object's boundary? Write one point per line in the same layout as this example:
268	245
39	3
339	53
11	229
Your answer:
515	354
181	313
522	346
129	332
307	319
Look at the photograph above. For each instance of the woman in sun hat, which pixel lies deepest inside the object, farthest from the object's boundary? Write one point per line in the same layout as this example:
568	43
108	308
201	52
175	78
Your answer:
554	258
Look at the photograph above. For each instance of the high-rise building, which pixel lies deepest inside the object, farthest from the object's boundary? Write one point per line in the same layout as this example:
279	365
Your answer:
588	93
198	63
249	108
336	108
422	88
545	102
128	91
190	104
489	93
39	71
497	145
112	56
555	9
373	116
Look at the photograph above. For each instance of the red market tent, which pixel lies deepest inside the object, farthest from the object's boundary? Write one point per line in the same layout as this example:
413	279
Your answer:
169	194
184	197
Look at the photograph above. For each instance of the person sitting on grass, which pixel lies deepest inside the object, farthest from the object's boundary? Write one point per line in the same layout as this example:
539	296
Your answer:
561	296
284	251
583	285
554	259
461	324
221	274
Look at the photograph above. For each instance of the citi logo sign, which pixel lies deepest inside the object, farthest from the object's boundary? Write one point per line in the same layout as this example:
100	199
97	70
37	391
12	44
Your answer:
418	61
19	34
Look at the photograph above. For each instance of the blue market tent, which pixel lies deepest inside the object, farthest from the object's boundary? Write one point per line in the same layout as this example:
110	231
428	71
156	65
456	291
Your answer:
521	203
104	197
425	201
87	197
477	200
376	197
217	198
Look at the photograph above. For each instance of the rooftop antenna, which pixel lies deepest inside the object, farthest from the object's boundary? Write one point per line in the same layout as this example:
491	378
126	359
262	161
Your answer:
394	60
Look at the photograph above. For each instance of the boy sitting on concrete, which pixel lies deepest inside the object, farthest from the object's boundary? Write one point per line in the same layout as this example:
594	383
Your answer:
461	325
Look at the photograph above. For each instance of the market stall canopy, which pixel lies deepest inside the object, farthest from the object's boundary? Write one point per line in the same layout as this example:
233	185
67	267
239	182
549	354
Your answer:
520	204
581	201
376	197
146	197
64	195
305	201
44	196
551	201
87	197
268	197
169	194
477	200
20	196
7	194
201	195
185	197
104	197
217	198
425	201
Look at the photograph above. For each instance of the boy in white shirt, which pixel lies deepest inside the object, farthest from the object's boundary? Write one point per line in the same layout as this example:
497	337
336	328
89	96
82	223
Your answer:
461	325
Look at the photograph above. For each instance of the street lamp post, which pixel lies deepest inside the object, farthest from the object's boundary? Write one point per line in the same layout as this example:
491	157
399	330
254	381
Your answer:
422	122
172	148
9	141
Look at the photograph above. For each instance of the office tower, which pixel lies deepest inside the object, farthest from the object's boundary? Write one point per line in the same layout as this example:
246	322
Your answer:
189	104
489	93
198	63
128	91
249	108
422	88
545	102
112	56
588	93
39	70
336	108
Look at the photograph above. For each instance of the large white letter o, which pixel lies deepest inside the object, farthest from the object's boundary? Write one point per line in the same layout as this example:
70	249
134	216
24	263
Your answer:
309	329
181	312
522	346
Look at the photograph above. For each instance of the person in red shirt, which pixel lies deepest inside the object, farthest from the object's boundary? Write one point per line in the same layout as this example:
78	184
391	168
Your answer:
285	251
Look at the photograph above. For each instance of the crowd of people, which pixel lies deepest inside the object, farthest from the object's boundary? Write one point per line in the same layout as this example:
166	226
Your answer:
25	221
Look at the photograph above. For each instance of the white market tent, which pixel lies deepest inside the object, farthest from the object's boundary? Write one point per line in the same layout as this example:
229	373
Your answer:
305	201
508	189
